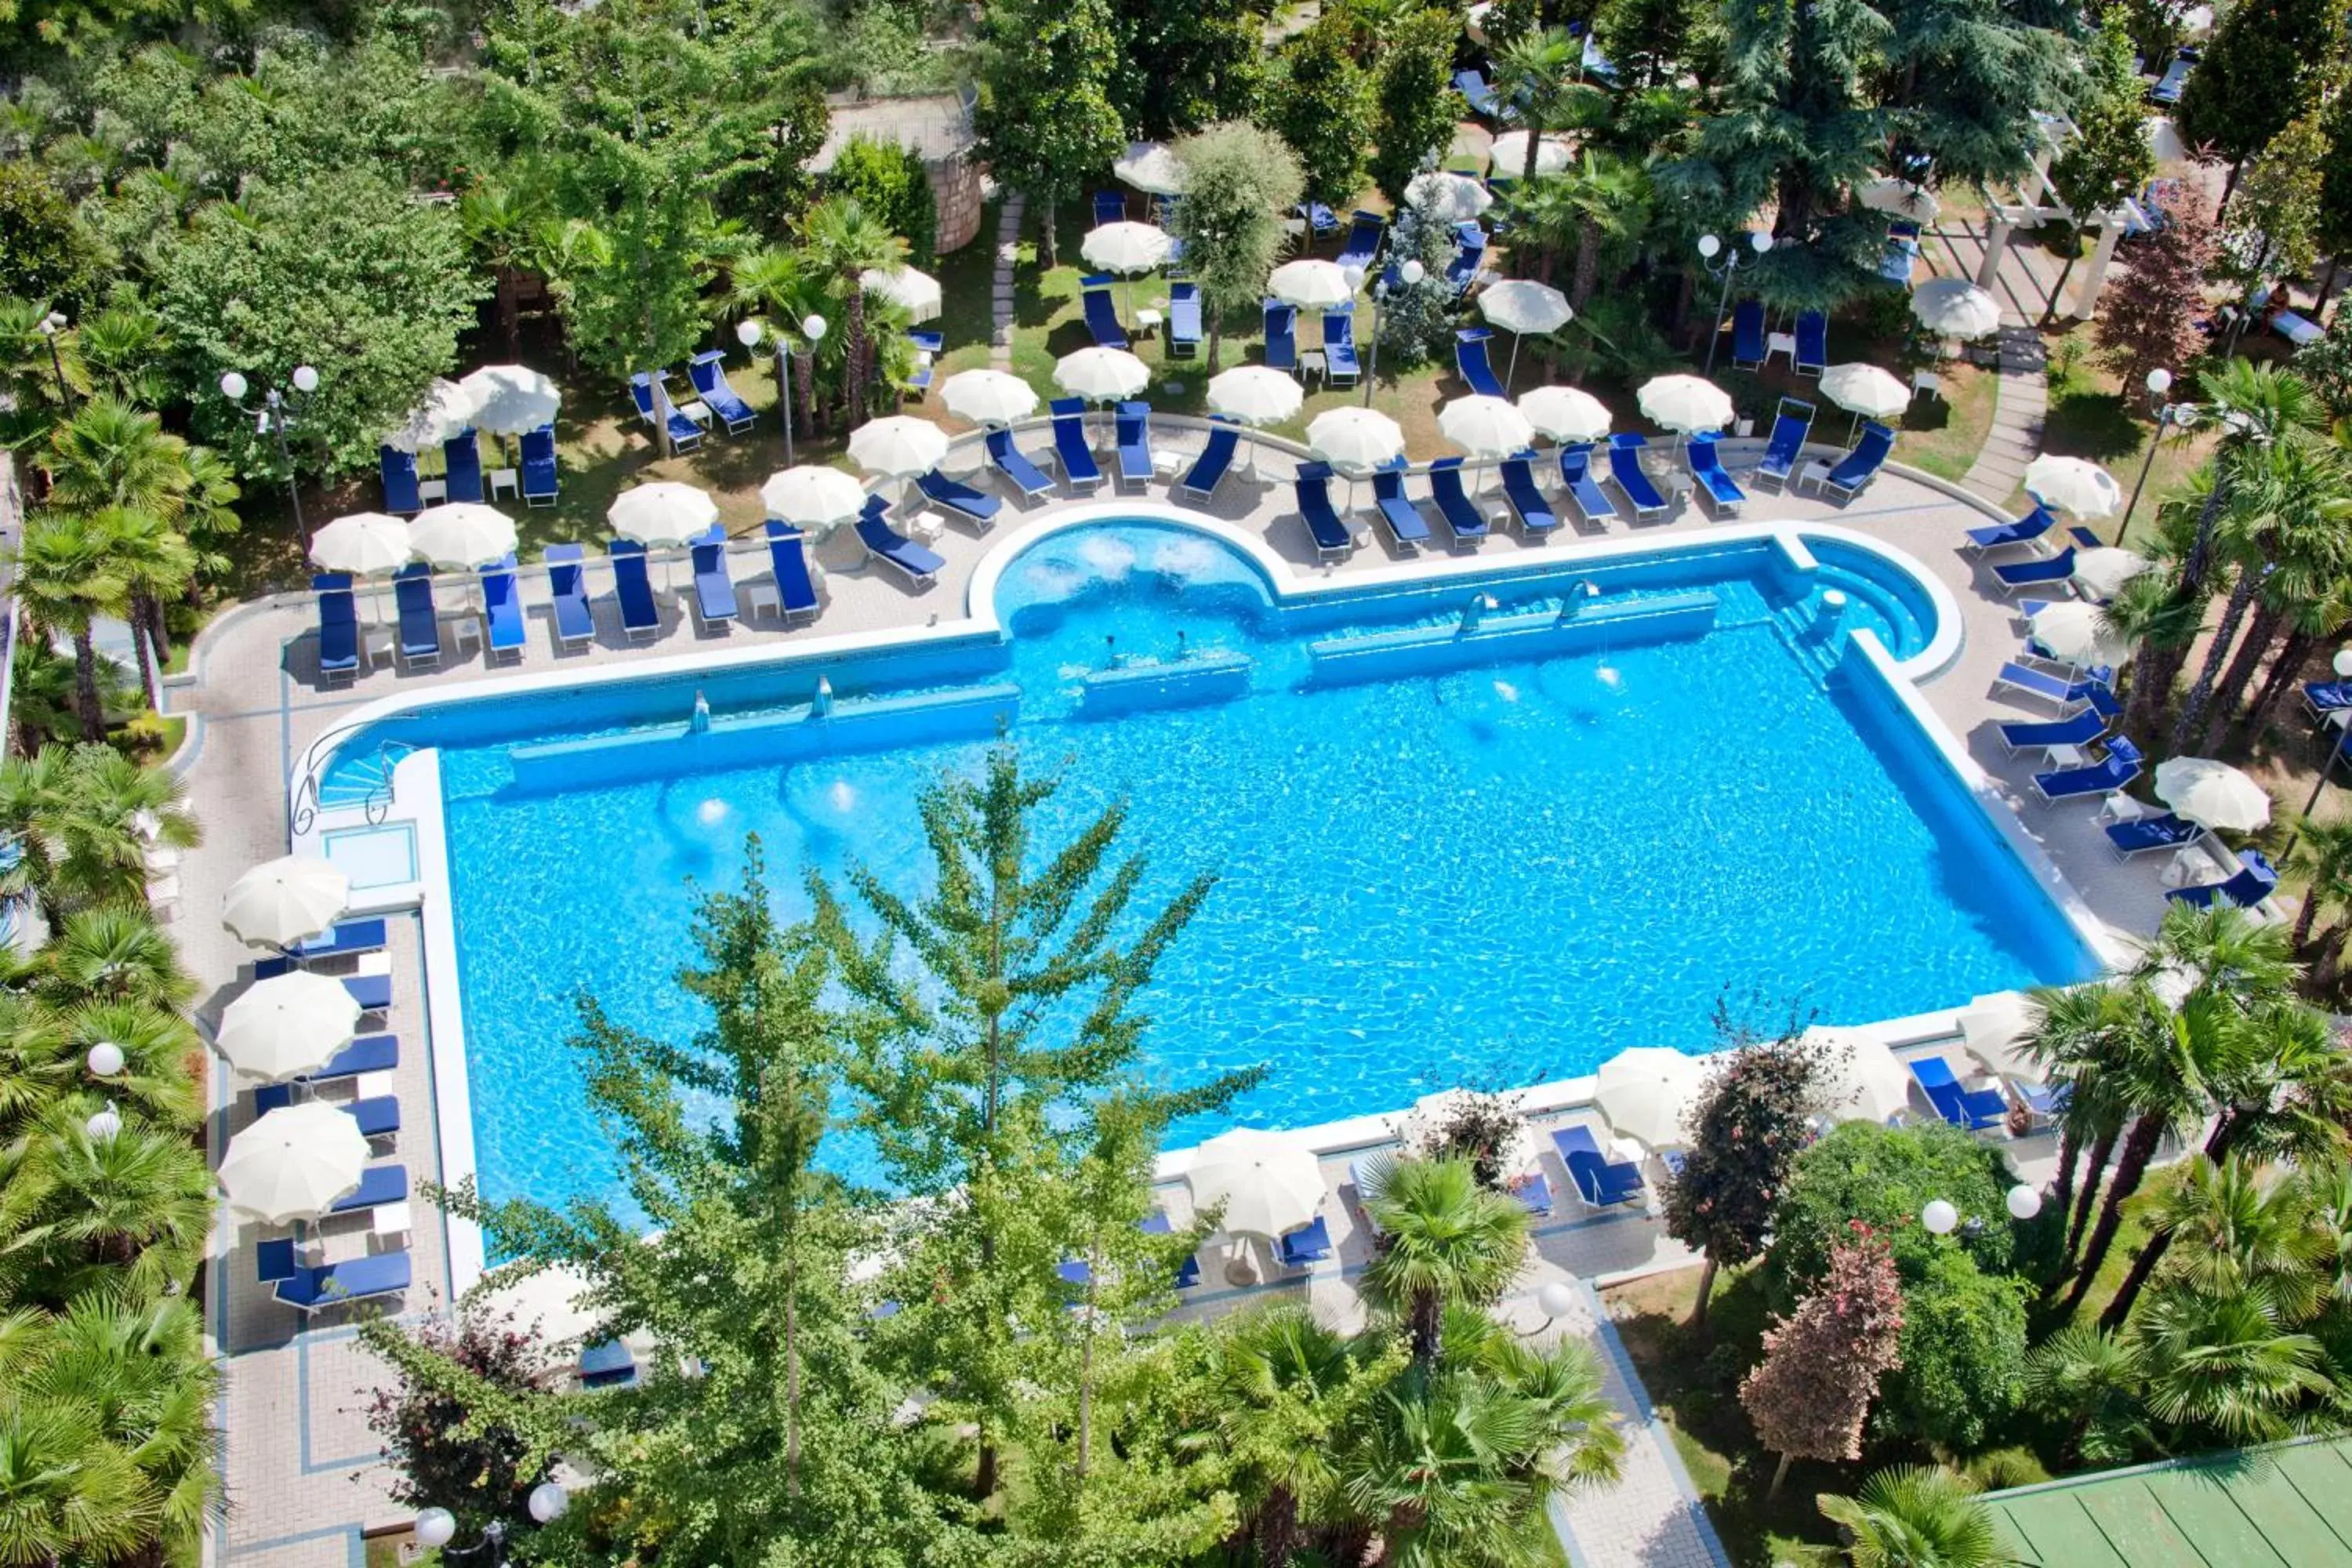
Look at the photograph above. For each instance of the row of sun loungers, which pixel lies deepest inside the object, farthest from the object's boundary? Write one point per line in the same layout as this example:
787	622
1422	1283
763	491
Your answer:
1750	342
461	461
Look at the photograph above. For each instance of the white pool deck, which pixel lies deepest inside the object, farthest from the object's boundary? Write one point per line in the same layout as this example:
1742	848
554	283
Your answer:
302	1481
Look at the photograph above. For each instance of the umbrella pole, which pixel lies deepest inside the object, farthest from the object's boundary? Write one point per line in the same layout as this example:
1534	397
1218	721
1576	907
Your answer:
1511	376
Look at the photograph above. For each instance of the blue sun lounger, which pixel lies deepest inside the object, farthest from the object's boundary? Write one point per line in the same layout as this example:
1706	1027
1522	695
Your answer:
1131	433
1110	206
1281	335
928	347
1537	519
886	545
539	481
1070	448
461	457
714	591
1576	473
1183	321
2026	529
2256	881
378	1116
1364	231
2322	698
2110	773
1707	474
640	616
1469	251
1813	351
2092	687
1973	1108
339	623
2080	728
1015	465
502	607
1216	459
1310	1243
1471	364
1600	1180
1463	519
1102	312
2015	574
1748	335
2175	80
1534	1192
1861	466
371	992
1482	98
348	938
315	1289
420	623
1319	217
379	1184
369	1053
567	583
788	554
708	372
960	499
1331	533
2143	834
606	1366
1625	466
684	435
402	496
1790	424
1405	521
1341	366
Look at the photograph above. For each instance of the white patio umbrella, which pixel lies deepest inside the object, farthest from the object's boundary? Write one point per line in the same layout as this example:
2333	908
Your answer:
1566	412
1995	1028
1903	199
1646	1092
1126	248
1254	395
293	1163
1151	167
1955	307
1864	391
365	544
1522	306
448	410
1101	375
1508	156
897	446
1485	427
1310	285
1447	198
2073	485
663	512
1268	1182
1863	1081
463	534
1355	441
2211	793
913	291
2074	631
1685	403
2101	572
289	1023
1431	1113
988	397
280	902
813	497
510	399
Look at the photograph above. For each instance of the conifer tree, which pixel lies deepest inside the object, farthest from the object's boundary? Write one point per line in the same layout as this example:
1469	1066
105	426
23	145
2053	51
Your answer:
2263	69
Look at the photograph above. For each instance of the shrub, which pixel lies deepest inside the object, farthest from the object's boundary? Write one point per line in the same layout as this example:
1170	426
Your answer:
1963	1355
419	1418
889	182
1479	1128
1884	1176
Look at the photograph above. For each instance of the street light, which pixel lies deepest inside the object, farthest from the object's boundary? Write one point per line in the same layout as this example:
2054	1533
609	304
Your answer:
51	325
1710	248
103	1125
1555	1300
437	1527
813	328
1941	1217
1409	274
106	1059
278	410
2168	413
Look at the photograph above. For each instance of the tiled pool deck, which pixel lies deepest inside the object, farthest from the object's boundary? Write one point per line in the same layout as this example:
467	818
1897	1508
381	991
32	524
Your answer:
302	1482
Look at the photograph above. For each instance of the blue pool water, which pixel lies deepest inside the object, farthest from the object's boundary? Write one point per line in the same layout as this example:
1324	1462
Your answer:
1494	876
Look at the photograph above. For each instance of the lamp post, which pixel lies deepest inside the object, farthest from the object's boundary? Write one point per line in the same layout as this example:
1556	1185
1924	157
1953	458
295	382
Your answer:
1408	274
1941	1219
1555	1300
278	409
1710	248
813	328
51	325
2159	381
437	1527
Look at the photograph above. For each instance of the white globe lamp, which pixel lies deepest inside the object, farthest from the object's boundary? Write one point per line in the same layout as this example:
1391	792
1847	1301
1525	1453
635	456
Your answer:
1940	1218
1708	245
233	386
1412	273
813	327
1556	1298
435	1528
103	1125
106	1058
2024	1201
548	1501
306	379
748	333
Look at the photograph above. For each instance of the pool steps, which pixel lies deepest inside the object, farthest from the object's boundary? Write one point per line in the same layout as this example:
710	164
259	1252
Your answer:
1491	637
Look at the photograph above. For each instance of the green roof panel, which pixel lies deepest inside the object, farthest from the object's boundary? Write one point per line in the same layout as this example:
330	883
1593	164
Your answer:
2285	1506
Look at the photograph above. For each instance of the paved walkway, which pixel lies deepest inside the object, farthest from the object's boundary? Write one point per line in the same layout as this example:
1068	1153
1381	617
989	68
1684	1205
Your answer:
2021	395
1008	251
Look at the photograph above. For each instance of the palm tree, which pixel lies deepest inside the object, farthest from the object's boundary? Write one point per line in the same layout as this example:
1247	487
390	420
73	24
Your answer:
2092	1379
66	1495
1601	200
1918	1516
1536	76
784	285
848	242
110	454
1285	1388
2224	950
79	1211
156	1043
2075	1030
114	957
123	346
502	223
2240	1231
1431	1475
83	817
210	517
141	1369
27	372
155	565
65	580
2226	1367
1444	1241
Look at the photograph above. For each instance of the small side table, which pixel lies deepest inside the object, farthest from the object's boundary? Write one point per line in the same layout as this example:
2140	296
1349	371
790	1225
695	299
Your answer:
1313	363
1928	382
1147	320
1816	472
503	481
697	411
1780	343
390	1223
924	526
757	596
431	491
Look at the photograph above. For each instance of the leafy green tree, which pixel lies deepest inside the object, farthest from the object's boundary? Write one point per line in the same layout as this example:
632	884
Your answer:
2109	157
2263	69
1963	1354
482	1474
1318	102
1416	323
1862	1173
1823	1361
1443	1241
1746	1129
1045	121
1413	105
1648	40
2333	229
1238	181
2275	218
889	182
1918	1516
45	251
1183	65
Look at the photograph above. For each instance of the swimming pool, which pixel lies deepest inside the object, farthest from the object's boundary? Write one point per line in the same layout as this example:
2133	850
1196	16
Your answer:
1492	855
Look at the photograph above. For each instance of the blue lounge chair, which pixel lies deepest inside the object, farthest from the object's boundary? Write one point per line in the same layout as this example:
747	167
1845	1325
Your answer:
539	482
2169	87
714	591
1323	523
1216	459
339	623
1077	458
348	938
1110	206
1463	518
607	1365
2111	773
2080	728
1405	521
461	456
1600	1180
1281	335
1318	219
1015	465
1471	364
960	499
1707	474
420	623
2322	698
2015	574
1597	65
1131	432
1790	424
1812	335
1469	252
1364	232
1748	335
2143	834
1537	519
1183	321
1156	1224
1973	1108
1576	473
378	1116
337	1284
1310	1243
1625	466
379	1184
2092	687
640	616
1340	367
684	435
1861	466
502	607
369	1053
788	554
708	372
1534	1193
1102	312
1482	98
567	581
928	347
371	992
1897	262
2026	529
2256	881
886	545
402	496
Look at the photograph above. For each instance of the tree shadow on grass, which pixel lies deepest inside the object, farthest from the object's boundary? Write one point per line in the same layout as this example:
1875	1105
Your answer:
2093	424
